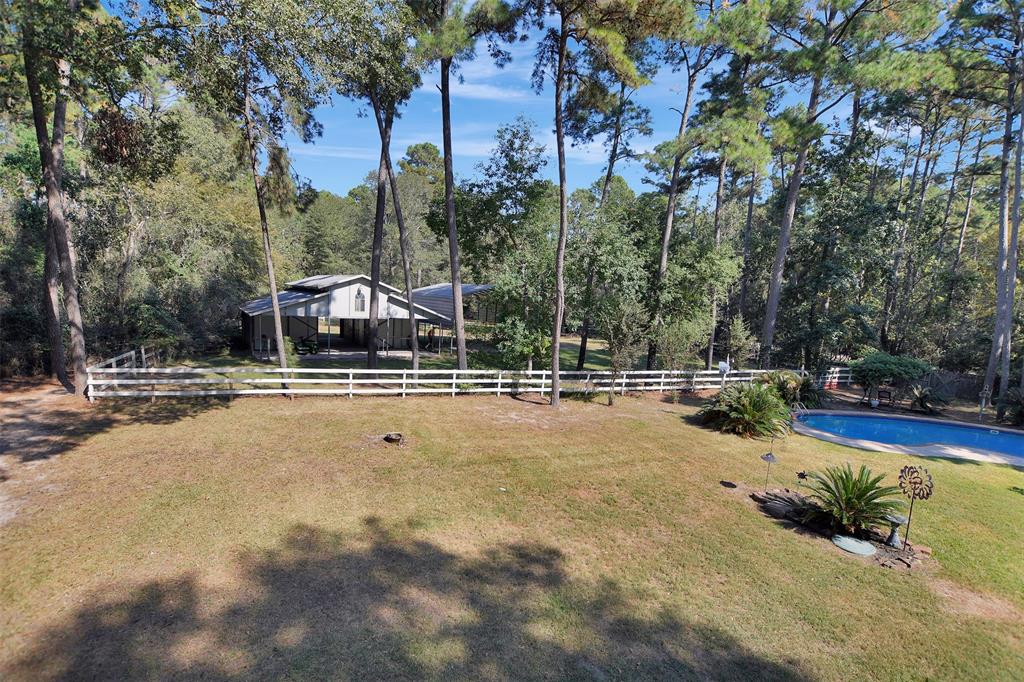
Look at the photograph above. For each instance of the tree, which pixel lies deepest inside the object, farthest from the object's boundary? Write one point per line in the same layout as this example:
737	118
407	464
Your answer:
256	62
693	46
996	31
63	47
505	218
837	48
598	25
448	35
623	321
375	63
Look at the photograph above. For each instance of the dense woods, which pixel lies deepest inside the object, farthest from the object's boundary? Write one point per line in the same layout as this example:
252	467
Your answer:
846	176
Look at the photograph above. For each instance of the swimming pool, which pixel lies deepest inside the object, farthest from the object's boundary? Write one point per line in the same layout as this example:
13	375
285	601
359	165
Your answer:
915	435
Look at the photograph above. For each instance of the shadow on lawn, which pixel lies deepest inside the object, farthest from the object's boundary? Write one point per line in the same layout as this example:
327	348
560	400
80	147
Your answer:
325	605
39	429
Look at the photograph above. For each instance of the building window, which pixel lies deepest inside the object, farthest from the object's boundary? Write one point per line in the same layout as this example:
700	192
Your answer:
360	301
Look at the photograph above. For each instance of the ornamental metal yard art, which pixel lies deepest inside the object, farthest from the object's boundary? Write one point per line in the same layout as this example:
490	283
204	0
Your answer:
916	483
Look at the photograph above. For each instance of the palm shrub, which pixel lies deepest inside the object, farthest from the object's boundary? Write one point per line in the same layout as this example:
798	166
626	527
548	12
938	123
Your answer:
793	388
751	411
925	399
850	502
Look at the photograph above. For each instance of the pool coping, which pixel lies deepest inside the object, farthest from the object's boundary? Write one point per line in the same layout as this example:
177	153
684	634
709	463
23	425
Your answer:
931	450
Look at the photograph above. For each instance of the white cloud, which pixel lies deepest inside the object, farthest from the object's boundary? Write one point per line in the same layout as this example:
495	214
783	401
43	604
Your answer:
334	152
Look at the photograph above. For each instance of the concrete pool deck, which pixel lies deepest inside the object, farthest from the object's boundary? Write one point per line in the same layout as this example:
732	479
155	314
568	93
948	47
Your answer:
926	450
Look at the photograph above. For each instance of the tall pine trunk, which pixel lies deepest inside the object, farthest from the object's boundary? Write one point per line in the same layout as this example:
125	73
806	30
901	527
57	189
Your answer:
1010	280
268	254
563	216
384	124
954	268
51	304
719	200
375	253
747	231
51	158
1002	258
670	216
449	211
785	228
588	290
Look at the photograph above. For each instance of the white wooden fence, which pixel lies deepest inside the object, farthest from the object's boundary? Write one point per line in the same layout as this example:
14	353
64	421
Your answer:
131	375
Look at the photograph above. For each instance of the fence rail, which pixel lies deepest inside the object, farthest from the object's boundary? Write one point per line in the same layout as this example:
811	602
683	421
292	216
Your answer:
132	375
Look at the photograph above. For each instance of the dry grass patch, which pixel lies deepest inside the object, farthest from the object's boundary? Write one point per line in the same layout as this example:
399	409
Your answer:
502	540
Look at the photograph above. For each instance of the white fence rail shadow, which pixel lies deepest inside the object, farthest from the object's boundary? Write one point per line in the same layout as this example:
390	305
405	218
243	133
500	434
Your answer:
131	375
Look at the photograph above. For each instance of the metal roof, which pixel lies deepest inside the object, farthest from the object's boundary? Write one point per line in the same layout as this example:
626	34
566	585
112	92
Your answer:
321	282
438	297
287	297
318	286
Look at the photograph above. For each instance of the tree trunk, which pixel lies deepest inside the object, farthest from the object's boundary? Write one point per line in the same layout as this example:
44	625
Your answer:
51	157
952	185
375	252
449	210
384	123
588	291
268	254
967	209
1010	280
588	295
1002	258
747	229
788	214
719	199
670	216
563	216
51	305
892	283
614	151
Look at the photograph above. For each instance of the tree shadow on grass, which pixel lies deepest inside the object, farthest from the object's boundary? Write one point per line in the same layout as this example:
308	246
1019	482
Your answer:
378	606
35	429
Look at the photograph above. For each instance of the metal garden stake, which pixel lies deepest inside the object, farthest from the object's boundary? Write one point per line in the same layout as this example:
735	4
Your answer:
771	459
916	483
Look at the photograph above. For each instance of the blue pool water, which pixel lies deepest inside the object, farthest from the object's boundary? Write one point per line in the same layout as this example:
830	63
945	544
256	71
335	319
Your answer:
897	431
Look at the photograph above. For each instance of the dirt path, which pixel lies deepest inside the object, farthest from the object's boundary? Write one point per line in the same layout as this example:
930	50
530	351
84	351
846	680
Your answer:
38	421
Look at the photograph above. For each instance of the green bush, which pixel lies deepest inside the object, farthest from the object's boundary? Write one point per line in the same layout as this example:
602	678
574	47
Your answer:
850	503
793	388
751	411
881	368
925	399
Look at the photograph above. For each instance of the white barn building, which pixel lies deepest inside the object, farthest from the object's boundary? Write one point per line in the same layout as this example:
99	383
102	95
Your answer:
339	304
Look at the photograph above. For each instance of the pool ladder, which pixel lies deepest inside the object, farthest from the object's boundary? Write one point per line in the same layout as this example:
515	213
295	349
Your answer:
800	410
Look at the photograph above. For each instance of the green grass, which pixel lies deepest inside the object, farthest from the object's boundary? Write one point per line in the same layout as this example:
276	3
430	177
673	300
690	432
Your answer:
272	538
479	351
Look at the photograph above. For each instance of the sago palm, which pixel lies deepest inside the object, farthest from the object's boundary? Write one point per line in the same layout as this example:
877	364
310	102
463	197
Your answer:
850	502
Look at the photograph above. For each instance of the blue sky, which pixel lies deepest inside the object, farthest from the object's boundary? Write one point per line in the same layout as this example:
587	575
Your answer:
487	98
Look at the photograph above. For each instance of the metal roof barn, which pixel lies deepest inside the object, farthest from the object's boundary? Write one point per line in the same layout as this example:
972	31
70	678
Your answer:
438	297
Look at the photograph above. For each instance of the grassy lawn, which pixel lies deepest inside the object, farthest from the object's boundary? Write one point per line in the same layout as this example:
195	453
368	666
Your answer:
267	538
597	358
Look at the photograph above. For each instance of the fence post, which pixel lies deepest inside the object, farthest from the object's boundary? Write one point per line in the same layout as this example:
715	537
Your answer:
403	383
499	383
350	384
453	384
88	387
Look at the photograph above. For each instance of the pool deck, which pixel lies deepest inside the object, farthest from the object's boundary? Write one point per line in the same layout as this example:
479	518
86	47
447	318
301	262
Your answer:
929	450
